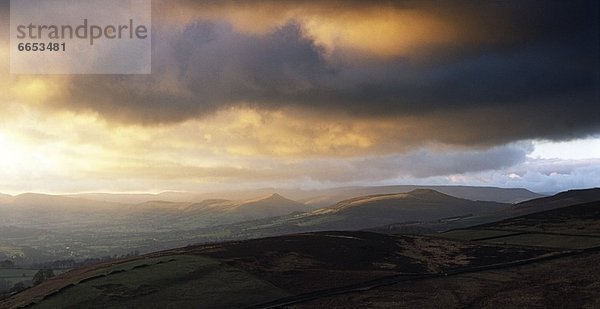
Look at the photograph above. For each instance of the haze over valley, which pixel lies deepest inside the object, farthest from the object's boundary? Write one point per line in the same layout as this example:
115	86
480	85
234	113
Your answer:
435	232
300	154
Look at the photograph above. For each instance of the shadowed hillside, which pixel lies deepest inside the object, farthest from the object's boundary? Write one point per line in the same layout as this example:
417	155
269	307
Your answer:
422	205
241	274
467	267
561	199
500	195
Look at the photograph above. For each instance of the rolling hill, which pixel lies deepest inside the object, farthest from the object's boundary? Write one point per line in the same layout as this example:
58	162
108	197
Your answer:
242	274
318	198
5	198
64	213
493	194
376	210
519	262
138	198
559	200
46	202
57	212
80	228
268	206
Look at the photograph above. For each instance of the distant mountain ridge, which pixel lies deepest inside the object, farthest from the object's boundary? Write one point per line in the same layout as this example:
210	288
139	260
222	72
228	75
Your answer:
263	207
417	195
5	198
158	224
544	204
273	268
428	204
493	194
559	200
138	198
375	210
319	197
58	201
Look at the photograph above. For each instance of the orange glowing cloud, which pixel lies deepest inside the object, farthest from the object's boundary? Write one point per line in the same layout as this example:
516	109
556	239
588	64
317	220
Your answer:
376	29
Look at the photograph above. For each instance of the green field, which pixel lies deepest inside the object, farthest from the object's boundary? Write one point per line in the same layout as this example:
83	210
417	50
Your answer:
13	276
176	281
16	275
10	251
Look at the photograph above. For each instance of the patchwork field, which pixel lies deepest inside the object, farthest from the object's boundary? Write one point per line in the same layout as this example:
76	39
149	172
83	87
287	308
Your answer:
171	281
576	227
537	262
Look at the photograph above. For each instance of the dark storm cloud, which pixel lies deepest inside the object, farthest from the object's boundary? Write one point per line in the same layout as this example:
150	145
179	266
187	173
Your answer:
206	68
424	163
419	164
527	69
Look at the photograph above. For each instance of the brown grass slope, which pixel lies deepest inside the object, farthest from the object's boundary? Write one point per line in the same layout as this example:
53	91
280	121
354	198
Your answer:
491	271
245	273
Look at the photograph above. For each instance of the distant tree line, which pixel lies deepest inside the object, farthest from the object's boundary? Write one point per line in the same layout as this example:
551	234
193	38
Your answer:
46	271
42	275
71	263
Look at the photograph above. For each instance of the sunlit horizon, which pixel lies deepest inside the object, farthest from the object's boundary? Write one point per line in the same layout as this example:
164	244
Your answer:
315	96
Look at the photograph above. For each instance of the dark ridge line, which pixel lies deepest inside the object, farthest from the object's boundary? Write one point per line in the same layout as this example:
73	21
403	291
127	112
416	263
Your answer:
537	232
116	272
496	237
53	294
88	279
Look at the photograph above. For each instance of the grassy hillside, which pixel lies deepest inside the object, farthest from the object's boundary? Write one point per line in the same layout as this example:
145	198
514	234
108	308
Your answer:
466	267
173	280
560	200
363	212
500	195
573	227
569	282
159	225
240	274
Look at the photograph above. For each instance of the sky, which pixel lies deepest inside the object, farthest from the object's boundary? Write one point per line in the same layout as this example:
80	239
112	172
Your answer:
316	94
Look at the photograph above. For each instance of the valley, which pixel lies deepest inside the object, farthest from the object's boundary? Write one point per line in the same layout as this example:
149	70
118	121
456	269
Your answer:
329	258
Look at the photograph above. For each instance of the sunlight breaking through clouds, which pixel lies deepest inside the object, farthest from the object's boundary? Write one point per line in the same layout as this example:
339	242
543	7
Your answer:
251	93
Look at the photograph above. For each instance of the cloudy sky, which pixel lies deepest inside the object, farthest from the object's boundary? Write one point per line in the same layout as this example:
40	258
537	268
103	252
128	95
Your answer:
312	94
